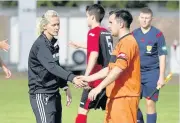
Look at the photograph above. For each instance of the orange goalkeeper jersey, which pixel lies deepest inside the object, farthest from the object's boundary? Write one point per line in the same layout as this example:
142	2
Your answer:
125	56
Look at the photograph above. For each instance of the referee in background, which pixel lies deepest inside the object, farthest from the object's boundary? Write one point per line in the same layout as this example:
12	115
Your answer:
45	75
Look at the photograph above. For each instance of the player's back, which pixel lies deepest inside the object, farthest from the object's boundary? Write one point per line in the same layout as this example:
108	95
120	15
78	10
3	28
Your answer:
105	47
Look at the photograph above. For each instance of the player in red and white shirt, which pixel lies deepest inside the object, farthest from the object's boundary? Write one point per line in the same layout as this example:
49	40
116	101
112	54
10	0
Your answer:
99	47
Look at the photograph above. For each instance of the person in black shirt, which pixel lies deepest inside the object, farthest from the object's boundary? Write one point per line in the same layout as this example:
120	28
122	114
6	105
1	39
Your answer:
45	74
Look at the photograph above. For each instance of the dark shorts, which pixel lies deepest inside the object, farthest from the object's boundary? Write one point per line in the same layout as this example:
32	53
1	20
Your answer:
84	99
46	107
100	101
149	83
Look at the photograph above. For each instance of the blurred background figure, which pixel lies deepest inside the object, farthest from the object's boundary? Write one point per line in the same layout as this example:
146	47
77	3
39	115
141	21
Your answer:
5	69
4	46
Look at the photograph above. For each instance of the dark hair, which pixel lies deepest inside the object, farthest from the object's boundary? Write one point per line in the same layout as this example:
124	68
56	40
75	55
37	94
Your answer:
124	15
97	10
111	12
147	10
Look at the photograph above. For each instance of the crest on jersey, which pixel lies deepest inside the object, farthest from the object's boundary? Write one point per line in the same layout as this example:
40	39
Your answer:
148	48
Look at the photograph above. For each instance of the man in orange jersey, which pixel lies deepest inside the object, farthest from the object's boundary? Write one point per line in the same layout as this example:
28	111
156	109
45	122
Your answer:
122	76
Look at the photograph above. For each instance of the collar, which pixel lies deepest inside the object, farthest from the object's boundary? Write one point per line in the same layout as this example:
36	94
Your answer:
124	36
52	42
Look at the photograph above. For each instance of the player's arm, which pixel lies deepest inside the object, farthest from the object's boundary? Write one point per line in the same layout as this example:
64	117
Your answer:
78	45
99	75
4	45
5	69
162	51
68	97
93	48
111	77
162	65
92	61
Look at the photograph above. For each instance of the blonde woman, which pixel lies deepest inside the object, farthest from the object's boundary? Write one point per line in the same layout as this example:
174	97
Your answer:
45	74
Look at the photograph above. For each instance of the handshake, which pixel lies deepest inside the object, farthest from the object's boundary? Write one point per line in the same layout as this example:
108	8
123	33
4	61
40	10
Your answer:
81	82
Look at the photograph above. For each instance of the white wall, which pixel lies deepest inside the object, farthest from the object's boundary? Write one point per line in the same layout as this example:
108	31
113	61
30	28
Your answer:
77	30
14	41
62	39
175	60
27	35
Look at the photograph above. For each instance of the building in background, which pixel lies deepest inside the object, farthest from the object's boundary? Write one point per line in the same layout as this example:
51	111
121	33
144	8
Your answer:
74	28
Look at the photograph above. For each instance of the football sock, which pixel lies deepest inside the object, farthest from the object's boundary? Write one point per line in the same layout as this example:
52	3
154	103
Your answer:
151	118
81	118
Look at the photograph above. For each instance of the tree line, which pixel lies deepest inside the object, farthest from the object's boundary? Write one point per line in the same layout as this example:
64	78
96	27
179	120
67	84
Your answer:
110	4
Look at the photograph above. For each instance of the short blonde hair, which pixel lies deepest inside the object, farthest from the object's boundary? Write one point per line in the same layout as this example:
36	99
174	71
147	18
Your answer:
44	20
146	10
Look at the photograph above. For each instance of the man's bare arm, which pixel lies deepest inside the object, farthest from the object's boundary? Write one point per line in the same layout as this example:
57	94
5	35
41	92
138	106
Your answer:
78	45
162	66
99	75
91	62
5	69
4	45
111	77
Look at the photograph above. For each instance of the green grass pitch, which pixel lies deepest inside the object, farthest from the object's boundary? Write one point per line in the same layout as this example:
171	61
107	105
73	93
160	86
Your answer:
15	106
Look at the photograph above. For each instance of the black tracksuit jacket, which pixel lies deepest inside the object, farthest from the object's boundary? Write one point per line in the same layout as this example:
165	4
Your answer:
45	75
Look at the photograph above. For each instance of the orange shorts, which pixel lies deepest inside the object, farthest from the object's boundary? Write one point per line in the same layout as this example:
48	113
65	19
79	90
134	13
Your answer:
121	110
